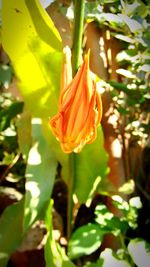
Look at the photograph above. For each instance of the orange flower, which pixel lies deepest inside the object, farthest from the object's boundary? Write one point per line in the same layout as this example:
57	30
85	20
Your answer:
80	109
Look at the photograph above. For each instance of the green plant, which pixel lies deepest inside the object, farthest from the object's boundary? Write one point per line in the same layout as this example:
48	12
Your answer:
35	49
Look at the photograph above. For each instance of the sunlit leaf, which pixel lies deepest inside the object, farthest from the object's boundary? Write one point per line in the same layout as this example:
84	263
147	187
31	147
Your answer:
54	254
125	38
127	188
133	25
62	158
40	174
136	7
10	231
126	73
145	68
127	55
24	132
90	163
85	240
113	19
120	203
34	47
108	221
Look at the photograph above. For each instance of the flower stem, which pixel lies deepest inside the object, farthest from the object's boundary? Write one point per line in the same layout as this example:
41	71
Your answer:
77	34
70	192
76	57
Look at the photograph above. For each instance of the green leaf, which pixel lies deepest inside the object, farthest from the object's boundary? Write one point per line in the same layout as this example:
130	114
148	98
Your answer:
127	55
24	132
98	263
125	38
53	37
10	231
126	73
133	25
128	187
35	49
120	203
85	240
140	252
40	174
145	68
110	259
61	157
91	163
119	86
137	7
113	19
108	222
54	254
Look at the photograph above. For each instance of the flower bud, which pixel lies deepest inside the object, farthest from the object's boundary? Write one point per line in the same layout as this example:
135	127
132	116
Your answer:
80	110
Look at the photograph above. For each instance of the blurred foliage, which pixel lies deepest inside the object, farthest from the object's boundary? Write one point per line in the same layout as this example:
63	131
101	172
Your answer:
12	164
129	22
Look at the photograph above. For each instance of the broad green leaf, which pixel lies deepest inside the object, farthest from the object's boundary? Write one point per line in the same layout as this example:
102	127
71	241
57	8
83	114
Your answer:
35	49
24	132
54	254
39	13
85	240
90	164
62	158
40	174
10	231
140	252
111	259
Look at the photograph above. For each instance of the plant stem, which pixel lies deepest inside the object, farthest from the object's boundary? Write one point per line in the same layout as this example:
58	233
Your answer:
77	34
76	56
122	242
70	192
